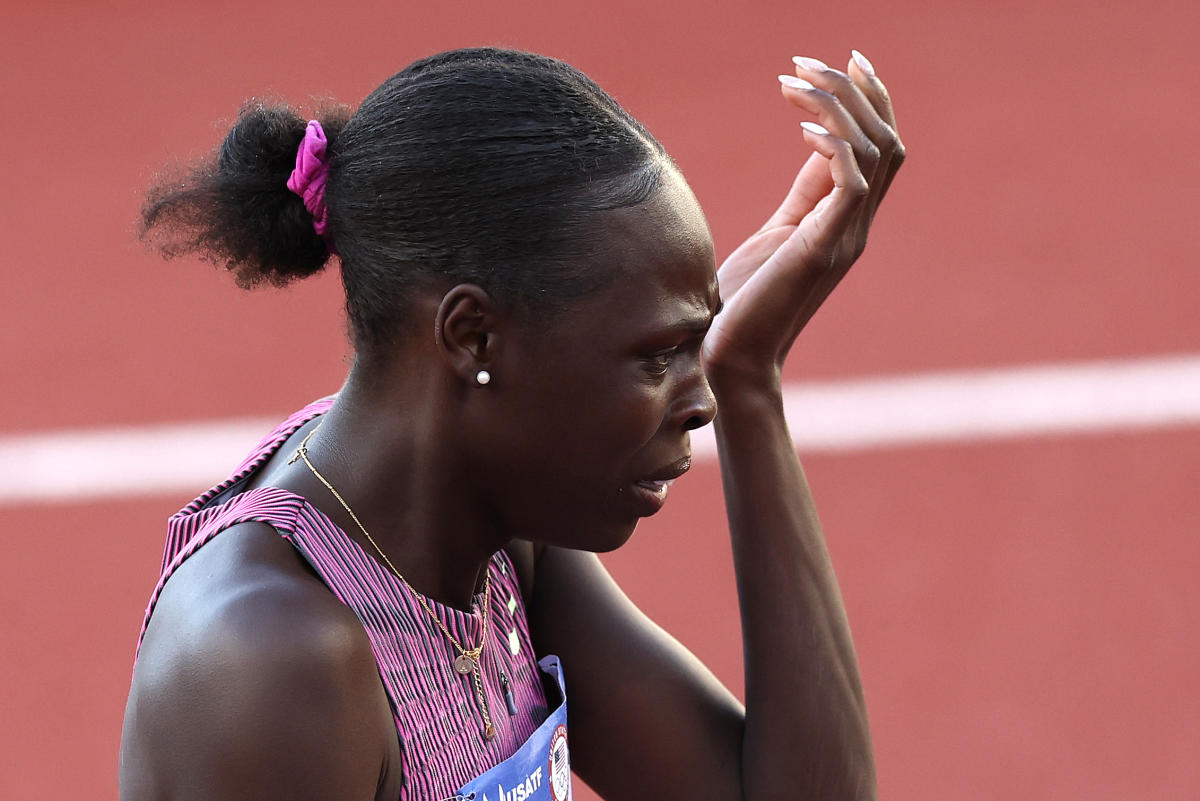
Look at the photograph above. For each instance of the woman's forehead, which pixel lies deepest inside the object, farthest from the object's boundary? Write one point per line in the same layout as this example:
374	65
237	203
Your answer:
664	233
661	254
676	214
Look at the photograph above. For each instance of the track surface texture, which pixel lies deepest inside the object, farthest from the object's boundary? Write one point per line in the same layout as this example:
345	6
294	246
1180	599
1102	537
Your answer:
1025	608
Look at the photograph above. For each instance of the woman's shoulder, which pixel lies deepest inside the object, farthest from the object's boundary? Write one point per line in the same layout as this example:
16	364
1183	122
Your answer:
249	581
249	658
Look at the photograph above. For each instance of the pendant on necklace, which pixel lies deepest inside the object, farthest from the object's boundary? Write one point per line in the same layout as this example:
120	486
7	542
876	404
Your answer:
464	664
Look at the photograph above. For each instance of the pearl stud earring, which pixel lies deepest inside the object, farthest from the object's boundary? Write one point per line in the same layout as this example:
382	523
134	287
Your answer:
482	377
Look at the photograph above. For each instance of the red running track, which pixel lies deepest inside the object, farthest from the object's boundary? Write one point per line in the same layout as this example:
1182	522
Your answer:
1025	610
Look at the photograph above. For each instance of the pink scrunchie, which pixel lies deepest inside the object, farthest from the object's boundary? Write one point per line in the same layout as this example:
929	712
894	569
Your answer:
308	179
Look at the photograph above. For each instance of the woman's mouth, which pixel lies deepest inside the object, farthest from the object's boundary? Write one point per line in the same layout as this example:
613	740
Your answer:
650	495
656	486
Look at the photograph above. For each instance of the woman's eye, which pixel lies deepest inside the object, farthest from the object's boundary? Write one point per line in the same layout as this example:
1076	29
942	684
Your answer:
659	363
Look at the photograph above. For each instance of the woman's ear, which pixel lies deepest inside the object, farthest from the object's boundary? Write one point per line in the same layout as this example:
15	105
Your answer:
466	332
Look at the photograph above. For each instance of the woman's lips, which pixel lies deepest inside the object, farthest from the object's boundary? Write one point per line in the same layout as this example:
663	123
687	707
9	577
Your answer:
650	495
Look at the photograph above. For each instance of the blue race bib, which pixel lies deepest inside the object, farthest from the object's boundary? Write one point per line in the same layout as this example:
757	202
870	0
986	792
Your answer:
540	770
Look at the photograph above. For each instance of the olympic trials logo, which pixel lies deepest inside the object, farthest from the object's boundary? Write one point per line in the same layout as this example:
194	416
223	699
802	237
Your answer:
560	765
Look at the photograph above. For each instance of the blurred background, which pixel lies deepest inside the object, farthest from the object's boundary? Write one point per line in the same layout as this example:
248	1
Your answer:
999	409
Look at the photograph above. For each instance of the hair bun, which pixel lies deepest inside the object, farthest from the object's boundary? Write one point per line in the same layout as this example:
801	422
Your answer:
235	208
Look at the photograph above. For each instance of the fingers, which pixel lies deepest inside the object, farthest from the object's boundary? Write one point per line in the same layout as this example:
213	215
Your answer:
839	106
836	211
862	72
863	109
827	213
812	183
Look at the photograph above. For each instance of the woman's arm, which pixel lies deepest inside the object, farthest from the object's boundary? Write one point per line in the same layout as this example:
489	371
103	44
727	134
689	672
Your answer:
806	732
648	720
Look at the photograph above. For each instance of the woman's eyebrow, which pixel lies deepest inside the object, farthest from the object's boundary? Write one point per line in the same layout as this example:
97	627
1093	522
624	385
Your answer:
698	322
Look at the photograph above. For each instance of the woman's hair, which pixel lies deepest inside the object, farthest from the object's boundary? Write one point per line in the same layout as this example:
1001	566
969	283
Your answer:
478	166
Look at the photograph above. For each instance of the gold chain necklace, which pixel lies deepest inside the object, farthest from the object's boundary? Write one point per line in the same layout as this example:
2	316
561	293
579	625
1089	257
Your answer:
468	659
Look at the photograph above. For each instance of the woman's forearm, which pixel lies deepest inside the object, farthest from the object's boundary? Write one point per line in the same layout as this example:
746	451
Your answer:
806	733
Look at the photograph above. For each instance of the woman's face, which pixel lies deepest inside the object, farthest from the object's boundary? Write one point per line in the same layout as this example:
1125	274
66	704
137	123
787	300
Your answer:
594	408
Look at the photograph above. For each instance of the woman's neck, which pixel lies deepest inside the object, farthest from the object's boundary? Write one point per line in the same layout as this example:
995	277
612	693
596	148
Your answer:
392	455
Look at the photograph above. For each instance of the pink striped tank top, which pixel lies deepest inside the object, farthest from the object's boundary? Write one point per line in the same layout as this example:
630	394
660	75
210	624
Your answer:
438	720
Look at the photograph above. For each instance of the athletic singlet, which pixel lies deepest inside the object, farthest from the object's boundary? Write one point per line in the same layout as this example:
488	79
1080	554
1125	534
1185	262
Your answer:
436	710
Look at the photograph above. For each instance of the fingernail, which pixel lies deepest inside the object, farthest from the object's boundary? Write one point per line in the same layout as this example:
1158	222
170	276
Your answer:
813	128
795	83
863	63
814	64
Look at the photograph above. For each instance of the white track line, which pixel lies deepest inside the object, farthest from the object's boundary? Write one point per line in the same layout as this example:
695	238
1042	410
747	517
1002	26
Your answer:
90	464
973	405
838	416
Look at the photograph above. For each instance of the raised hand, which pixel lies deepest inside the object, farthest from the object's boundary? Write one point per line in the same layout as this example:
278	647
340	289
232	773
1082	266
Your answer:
775	281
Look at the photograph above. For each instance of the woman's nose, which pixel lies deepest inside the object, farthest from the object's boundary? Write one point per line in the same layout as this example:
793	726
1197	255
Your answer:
698	405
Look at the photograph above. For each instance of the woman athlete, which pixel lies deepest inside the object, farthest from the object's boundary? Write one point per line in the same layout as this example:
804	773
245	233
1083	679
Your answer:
406	572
